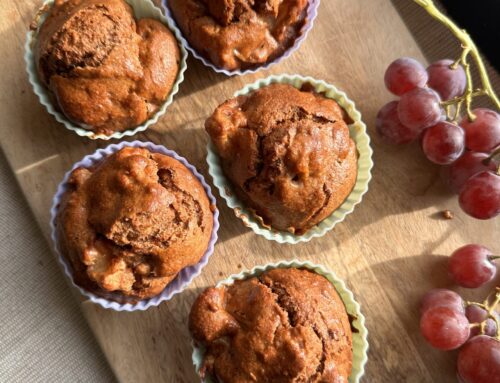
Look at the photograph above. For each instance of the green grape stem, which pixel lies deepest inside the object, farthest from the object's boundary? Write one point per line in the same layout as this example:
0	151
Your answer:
469	48
461	99
490	309
492	156
493	308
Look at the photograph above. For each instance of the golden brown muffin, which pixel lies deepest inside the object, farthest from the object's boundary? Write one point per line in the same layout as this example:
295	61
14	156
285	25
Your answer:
287	326
131	223
107	72
287	153
240	34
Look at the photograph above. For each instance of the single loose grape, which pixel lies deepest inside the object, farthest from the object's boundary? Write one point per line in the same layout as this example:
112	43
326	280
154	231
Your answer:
470	164
443	143
405	74
480	196
482	134
479	360
442	298
419	109
448	82
444	328
390	128
471	266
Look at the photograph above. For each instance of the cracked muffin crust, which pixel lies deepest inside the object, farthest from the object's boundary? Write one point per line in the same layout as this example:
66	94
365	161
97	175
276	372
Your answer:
106	71
240	34
287	153
132	222
286	326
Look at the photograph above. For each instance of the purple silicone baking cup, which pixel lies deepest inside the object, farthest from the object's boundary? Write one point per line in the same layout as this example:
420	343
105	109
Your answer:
184	277
312	12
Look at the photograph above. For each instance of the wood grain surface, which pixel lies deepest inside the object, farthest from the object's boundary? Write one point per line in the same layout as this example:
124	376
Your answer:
390	250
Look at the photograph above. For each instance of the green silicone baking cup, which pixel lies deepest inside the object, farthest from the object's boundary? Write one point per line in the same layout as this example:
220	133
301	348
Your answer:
359	337
142	9
358	133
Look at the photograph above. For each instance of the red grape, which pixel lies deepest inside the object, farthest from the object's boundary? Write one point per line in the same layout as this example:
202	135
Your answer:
479	360
482	134
476	314
405	74
449	83
443	143
390	128
442	298
480	195
465	167
419	108
471	266
444	328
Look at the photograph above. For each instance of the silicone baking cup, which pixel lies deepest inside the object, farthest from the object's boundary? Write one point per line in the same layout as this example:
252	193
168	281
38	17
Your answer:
359	336
312	12
358	133
142	9
184	277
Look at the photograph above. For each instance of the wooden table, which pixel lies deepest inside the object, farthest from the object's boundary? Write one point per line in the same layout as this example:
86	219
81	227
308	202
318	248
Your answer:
390	251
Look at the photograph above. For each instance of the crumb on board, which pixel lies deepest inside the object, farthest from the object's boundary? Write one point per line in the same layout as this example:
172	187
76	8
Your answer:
447	214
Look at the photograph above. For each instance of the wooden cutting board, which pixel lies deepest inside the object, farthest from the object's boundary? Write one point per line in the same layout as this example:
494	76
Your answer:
389	251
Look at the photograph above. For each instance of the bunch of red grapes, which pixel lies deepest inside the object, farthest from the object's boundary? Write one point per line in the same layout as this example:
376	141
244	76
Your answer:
448	322
468	148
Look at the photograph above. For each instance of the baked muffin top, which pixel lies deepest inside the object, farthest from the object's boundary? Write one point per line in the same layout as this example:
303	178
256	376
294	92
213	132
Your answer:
287	325
107	72
288	154
131	223
240	34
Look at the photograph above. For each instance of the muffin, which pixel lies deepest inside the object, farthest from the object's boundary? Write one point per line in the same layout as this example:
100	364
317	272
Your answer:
131	223
287	325
287	153
240	34
106	71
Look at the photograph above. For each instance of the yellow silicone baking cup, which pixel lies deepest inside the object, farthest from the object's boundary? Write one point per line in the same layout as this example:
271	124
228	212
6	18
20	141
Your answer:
142	9
357	132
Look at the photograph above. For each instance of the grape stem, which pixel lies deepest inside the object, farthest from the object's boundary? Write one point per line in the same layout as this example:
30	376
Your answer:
491	157
495	153
493	308
490	309
469	48
456	100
